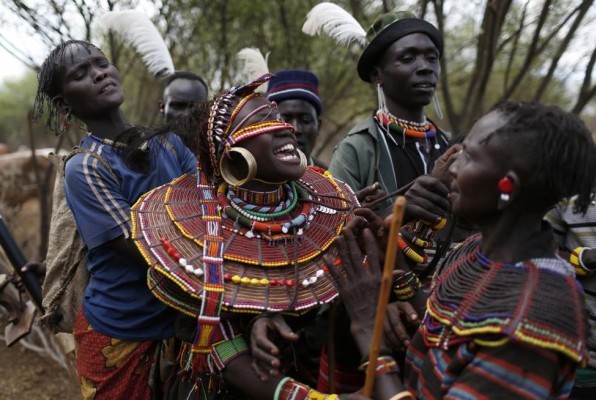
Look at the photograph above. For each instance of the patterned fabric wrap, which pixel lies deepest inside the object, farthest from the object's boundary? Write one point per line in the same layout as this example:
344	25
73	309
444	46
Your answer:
110	368
536	302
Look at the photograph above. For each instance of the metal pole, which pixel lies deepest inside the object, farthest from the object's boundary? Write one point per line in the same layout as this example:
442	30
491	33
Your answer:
18	260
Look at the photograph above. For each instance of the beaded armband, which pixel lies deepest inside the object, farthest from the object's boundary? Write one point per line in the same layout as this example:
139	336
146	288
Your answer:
406	286
228	350
289	389
575	259
419	234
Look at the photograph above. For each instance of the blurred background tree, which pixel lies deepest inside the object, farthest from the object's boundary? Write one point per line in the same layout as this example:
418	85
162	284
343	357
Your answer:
495	49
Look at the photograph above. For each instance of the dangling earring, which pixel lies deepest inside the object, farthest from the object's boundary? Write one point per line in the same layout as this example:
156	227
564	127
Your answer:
381	99
437	105
505	186
66	122
224	167
303	162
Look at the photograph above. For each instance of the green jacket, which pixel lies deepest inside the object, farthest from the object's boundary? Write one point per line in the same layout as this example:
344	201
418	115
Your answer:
363	157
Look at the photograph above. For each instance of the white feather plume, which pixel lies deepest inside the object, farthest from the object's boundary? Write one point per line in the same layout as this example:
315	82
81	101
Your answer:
254	65
137	30
336	22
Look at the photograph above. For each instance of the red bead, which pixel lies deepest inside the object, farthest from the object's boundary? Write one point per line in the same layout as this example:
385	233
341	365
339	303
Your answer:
273	282
290	282
227	277
506	185
171	252
337	262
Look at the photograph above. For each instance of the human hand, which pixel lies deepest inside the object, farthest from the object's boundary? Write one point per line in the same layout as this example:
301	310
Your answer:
264	330
401	315
359	284
35	267
427	200
370	194
441	168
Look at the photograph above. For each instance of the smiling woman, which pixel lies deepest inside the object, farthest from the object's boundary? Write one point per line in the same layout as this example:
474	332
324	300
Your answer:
244	236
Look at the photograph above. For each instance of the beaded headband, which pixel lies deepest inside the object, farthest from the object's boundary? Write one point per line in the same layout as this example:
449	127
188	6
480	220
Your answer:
221	136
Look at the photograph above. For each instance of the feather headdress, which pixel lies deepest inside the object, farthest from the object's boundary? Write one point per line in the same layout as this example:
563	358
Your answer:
137	30
336	22
253	66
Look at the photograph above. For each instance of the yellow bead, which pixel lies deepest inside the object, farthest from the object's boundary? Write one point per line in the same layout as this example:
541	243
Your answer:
245	280
236	279
441	224
254	281
264	281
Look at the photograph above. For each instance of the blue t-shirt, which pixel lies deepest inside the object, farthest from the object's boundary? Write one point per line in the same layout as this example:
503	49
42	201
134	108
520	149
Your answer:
117	301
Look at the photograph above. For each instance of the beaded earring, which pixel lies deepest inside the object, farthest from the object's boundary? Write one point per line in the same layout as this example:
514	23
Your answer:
66	121
505	186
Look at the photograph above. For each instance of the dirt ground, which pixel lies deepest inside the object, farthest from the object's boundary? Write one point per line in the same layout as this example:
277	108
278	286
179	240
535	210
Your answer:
26	375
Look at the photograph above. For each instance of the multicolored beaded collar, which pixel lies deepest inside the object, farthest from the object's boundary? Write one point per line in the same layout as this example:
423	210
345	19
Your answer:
418	130
260	272
537	302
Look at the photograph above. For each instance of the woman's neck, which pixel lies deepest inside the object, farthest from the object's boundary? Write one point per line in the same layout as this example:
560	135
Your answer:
107	127
260	197
514	237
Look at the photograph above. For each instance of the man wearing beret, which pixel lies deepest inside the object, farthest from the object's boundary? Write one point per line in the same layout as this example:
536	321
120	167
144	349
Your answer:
296	93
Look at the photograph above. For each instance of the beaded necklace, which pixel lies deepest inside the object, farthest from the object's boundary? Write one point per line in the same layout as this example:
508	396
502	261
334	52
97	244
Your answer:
418	130
263	222
267	212
272	197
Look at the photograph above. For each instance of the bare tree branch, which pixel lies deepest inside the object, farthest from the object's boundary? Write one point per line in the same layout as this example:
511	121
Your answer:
583	9
587	91
492	23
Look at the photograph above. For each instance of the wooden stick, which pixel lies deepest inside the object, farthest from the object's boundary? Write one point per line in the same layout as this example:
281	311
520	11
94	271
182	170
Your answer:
386	282
401	191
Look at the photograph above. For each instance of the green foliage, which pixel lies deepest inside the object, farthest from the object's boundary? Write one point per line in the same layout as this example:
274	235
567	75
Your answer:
16	100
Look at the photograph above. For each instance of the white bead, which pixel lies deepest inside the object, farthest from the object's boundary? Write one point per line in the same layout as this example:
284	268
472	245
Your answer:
312	279
182	261
305	283
198	272
189	269
284	229
249	234
320	273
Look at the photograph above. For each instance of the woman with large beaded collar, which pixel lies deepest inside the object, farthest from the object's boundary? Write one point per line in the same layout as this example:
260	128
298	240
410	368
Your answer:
244	236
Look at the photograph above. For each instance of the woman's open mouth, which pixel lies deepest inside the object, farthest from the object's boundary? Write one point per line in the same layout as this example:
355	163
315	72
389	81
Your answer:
287	152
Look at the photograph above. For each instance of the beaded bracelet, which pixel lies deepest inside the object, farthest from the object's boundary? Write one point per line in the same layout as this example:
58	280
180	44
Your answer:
575	258
288	389
406	248
581	261
385	365
406	286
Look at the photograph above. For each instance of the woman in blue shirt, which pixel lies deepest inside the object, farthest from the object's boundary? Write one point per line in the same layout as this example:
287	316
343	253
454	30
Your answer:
121	323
